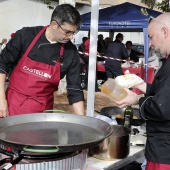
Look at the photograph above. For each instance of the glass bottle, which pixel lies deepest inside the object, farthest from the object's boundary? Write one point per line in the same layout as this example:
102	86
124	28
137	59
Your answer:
128	117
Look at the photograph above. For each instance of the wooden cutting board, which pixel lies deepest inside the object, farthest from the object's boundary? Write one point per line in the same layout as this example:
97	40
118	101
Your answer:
101	100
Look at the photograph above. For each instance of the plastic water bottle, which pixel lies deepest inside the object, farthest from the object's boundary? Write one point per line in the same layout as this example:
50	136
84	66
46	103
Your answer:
113	122
113	90
104	118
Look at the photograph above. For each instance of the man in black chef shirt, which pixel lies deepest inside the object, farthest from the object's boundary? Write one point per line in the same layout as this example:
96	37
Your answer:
42	56
155	107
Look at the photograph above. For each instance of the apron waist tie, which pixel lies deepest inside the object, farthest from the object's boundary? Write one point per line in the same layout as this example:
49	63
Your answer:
31	98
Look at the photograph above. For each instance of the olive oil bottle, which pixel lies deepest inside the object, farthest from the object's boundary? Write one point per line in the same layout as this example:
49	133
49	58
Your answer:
128	117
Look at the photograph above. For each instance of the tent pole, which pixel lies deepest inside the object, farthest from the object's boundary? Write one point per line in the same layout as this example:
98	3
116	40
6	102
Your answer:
146	52
92	57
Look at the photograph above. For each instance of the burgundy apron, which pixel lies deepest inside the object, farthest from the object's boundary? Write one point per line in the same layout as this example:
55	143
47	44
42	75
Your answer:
157	166
33	83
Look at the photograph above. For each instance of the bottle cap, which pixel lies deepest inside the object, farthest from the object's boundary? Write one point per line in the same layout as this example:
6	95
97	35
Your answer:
113	117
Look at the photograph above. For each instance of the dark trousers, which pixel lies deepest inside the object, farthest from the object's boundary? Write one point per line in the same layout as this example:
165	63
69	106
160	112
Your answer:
112	71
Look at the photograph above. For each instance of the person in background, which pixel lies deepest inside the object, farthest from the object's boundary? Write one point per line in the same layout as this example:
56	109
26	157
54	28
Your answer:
4	42
107	42
86	60
134	55
101	48
12	35
115	49
43	56
81	48
154	106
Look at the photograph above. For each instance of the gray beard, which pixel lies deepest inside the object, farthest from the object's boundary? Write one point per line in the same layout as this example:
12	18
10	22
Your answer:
158	53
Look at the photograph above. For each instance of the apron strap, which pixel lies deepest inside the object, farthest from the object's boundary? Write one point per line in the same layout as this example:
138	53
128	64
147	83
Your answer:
61	53
62	50
35	40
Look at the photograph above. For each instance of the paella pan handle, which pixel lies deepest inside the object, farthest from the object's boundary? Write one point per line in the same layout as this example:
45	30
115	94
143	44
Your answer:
29	149
14	162
11	154
5	160
48	111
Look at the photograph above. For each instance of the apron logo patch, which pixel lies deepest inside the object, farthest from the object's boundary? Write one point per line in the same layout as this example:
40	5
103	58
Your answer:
37	72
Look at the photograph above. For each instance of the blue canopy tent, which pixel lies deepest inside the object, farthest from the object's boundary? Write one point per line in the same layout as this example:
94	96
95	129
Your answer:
125	17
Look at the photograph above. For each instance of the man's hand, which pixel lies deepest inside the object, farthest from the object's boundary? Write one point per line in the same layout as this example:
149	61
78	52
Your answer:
3	108
131	99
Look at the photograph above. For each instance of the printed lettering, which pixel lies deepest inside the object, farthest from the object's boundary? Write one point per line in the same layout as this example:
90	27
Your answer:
37	72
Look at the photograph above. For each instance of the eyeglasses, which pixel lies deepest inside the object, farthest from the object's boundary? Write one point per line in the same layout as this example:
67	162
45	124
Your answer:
67	32
150	19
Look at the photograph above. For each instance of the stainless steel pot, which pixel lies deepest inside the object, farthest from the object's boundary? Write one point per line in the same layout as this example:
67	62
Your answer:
116	146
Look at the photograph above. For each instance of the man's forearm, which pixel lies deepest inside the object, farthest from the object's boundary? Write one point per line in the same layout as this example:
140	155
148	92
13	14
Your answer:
79	108
3	102
2	83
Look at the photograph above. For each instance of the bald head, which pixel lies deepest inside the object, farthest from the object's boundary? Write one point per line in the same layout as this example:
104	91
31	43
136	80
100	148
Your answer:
159	33
164	19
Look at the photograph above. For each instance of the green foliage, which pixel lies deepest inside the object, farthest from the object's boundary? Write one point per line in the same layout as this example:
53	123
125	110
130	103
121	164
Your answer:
48	3
150	3
163	6
144	11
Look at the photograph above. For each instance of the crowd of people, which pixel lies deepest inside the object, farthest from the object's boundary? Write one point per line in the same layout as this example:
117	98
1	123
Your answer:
153	105
107	48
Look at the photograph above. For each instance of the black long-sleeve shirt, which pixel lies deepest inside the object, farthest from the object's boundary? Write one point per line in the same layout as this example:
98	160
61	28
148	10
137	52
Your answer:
45	52
155	108
116	49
